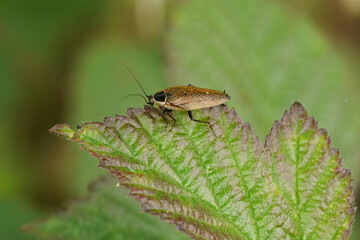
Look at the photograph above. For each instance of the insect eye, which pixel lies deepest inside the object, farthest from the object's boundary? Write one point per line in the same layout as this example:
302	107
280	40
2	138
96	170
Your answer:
160	96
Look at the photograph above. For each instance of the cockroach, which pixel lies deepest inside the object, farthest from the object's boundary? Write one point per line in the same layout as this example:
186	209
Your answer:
183	98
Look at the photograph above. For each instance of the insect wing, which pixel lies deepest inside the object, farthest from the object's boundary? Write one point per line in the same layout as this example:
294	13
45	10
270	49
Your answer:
187	98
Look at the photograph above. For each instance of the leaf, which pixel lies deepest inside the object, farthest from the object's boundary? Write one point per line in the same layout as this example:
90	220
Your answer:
227	186
265	55
104	214
310	177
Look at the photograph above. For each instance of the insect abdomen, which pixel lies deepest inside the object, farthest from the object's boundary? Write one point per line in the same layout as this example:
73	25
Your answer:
187	98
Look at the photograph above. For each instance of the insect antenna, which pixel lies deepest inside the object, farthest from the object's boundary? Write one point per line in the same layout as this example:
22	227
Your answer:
129	70
134	94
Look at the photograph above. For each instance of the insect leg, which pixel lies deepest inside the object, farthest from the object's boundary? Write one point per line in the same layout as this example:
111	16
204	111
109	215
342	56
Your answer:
191	117
168	113
165	110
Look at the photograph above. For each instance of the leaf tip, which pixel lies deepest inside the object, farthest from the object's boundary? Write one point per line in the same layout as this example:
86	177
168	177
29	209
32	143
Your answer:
62	130
297	104
298	111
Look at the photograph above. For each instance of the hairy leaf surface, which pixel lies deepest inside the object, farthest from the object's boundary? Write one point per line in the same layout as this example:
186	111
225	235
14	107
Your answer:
265	56
226	185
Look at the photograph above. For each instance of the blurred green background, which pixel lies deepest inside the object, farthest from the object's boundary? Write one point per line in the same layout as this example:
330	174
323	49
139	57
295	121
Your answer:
58	65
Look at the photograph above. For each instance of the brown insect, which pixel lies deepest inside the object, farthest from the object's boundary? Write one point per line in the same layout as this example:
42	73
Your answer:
183	98
187	98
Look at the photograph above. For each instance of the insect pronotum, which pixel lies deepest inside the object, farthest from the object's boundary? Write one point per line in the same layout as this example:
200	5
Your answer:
183	98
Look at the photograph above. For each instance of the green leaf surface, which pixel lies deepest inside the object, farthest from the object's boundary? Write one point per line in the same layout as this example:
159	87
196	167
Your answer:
226	185
265	56
105	214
